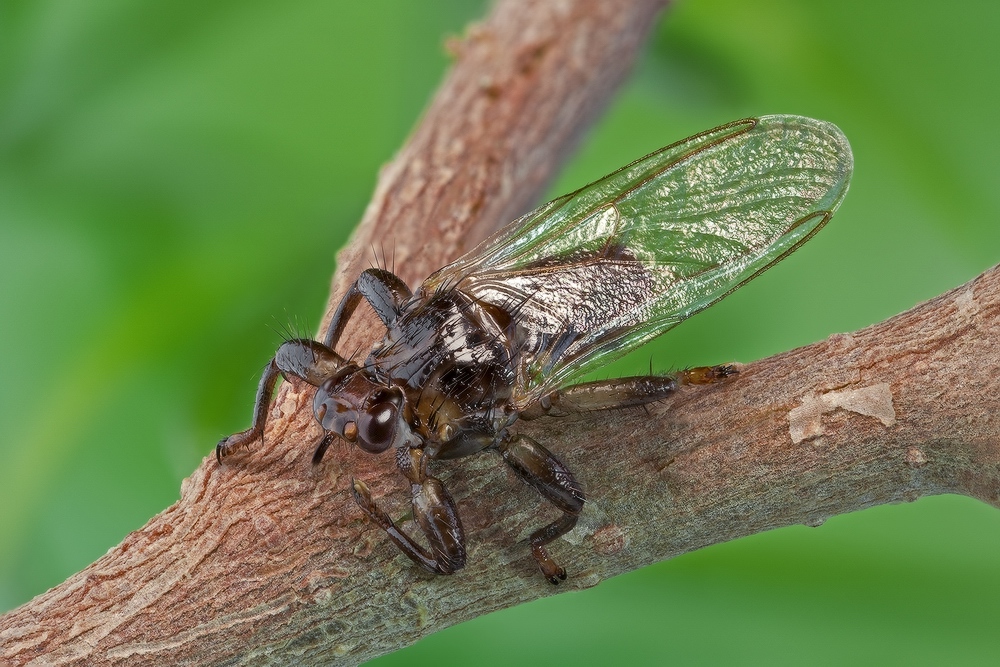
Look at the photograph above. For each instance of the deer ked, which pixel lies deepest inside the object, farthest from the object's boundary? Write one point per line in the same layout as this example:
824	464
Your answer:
501	334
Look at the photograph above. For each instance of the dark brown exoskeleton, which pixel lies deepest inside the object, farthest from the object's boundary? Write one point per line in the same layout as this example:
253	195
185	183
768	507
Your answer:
499	334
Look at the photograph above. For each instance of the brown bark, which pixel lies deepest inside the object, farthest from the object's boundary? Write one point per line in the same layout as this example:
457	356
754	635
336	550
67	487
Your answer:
267	560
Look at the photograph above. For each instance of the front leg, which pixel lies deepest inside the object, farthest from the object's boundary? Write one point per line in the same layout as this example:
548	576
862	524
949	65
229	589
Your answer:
302	358
434	511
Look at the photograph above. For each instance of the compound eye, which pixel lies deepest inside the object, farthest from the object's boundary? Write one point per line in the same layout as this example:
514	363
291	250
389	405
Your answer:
378	428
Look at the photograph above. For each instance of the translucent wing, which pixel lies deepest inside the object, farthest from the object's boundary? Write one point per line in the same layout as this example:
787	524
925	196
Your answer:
598	272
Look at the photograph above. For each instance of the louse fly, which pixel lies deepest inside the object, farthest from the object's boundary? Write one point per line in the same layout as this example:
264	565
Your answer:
501	333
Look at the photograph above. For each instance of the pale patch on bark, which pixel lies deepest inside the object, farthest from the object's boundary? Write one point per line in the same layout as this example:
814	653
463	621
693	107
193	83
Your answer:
806	420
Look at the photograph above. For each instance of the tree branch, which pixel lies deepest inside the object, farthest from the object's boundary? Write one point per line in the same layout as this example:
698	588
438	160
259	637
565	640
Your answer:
267	560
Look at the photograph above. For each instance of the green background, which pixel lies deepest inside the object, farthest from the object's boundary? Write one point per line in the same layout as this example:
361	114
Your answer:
174	181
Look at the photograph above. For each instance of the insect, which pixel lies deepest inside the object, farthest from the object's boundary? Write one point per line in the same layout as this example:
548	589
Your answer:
501	333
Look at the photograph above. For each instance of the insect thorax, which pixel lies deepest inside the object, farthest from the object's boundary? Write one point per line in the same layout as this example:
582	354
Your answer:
453	358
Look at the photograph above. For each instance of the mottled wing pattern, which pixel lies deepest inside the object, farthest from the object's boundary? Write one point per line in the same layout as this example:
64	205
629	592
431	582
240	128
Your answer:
598	272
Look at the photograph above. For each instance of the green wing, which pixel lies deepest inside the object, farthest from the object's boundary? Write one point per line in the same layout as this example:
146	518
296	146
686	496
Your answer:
594	274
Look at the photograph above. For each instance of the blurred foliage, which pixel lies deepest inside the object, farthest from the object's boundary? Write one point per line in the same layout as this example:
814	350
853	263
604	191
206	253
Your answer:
176	177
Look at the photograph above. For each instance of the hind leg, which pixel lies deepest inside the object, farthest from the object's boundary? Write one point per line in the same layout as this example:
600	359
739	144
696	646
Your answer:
622	392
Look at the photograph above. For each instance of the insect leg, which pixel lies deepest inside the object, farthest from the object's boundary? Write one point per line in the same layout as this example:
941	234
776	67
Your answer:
434	511
622	392
542	471
302	358
383	290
